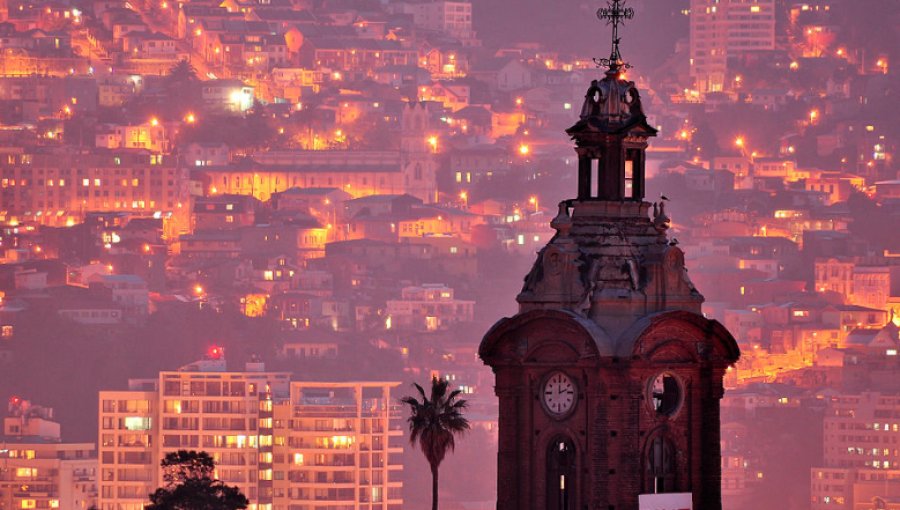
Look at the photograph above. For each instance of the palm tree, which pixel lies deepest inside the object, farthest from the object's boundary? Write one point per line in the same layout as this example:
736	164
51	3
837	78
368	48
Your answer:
434	422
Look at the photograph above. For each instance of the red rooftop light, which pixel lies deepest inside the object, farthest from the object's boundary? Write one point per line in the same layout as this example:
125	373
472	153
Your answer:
216	352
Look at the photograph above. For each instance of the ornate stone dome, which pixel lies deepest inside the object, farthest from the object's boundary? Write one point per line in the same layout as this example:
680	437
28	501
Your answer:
611	105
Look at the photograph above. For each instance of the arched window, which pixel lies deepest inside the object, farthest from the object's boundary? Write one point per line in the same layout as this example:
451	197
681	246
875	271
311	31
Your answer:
660	466
561	470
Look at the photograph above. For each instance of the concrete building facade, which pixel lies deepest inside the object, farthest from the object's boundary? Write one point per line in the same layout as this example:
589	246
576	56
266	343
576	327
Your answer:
286	445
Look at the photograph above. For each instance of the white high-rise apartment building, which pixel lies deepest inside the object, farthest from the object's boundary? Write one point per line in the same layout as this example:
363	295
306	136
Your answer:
38	470
286	445
727	28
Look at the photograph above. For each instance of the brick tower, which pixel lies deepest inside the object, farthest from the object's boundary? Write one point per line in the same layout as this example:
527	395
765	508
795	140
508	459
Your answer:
609	377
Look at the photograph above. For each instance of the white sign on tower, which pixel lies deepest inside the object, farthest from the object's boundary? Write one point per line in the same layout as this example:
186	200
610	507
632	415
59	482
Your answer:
675	501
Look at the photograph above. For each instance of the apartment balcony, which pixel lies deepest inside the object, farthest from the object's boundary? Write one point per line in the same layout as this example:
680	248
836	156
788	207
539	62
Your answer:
322	449
309	430
323	485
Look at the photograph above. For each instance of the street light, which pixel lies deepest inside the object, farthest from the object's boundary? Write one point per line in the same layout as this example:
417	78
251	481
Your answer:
524	149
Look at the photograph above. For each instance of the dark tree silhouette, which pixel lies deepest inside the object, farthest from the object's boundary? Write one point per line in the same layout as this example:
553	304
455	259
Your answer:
189	485
181	73
182	90
433	423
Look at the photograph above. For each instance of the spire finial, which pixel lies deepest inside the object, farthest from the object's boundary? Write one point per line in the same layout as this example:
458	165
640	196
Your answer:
615	13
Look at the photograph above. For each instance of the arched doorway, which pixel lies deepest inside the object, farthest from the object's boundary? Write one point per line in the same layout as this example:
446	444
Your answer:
660	466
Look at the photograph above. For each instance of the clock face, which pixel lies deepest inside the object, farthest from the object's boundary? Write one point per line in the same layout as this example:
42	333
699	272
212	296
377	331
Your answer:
559	394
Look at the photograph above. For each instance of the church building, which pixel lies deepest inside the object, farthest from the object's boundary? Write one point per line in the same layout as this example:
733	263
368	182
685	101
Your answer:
609	377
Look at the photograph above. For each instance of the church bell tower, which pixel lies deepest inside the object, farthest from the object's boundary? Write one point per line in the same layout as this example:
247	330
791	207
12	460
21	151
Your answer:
609	377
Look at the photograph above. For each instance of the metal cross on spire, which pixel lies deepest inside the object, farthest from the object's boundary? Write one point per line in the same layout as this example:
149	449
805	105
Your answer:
615	13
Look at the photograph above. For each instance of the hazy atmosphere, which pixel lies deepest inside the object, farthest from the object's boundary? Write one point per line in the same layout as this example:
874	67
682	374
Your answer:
248	227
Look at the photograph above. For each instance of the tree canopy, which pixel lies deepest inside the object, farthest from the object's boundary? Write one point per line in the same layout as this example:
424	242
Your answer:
189	485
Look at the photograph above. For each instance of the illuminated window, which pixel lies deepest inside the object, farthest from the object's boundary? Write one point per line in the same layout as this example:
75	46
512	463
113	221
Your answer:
137	423
29	503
